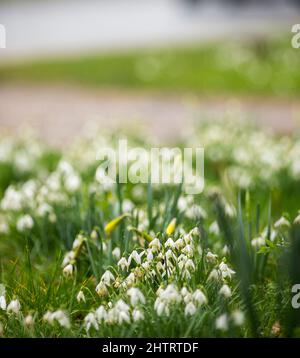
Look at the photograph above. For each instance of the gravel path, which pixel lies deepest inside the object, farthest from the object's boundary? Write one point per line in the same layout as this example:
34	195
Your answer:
60	114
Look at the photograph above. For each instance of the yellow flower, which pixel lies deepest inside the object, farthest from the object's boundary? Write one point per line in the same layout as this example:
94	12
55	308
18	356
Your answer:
171	227
109	228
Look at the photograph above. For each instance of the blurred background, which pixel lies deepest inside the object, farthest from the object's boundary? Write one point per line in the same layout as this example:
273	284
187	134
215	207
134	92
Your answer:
158	63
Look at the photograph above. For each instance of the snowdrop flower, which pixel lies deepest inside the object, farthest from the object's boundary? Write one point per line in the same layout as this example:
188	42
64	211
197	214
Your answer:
14	307
214	275
238	317
25	223
190	309
28	321
61	317
137	315
282	223
149	255
210	257
127	205
214	229
136	296
225	270
222	322
91	321
225	291
155	245
4	229
2	303
101	313
77	243
179	244
72	183
258	242
169	243
199	297
189	265
68	270
80	297
94	235
136	257
69	256
225	250
297	220
107	277
123	264
161	307
188	250
184	291
101	289
116	253
130	279
123	317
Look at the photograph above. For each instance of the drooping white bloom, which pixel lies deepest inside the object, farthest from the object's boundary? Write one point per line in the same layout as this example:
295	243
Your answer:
25	223
91	321
14	307
107	277
210	257
258	242
72	182
62	318
136	296
123	264
12	199
222	322
80	297
190	309
188	250
2	303
225	270
155	245
214	229
28	321
137	315
101	289
69	256
169	243
238	317
179	244
101	314
282	223
199	297
136	257
68	270
225	291
116	253
214	275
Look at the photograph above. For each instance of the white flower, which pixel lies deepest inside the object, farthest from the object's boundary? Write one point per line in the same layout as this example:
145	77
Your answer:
107	277
101	289
62	318
68	270
123	264
190	309
210	257
225	291
297	220
72	182
222	322
78	242
25	223
90	321
214	275
116	253
169	243
188	250
14	306
101	313
135	256
225	270
258	242
69	256
214	229
80	297
225	250
155	245
161	307
137	315
179	244
238	317
282	223
29	320
136	296
3	303
199	297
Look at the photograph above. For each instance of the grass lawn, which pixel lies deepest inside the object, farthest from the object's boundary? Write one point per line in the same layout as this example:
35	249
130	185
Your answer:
259	66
